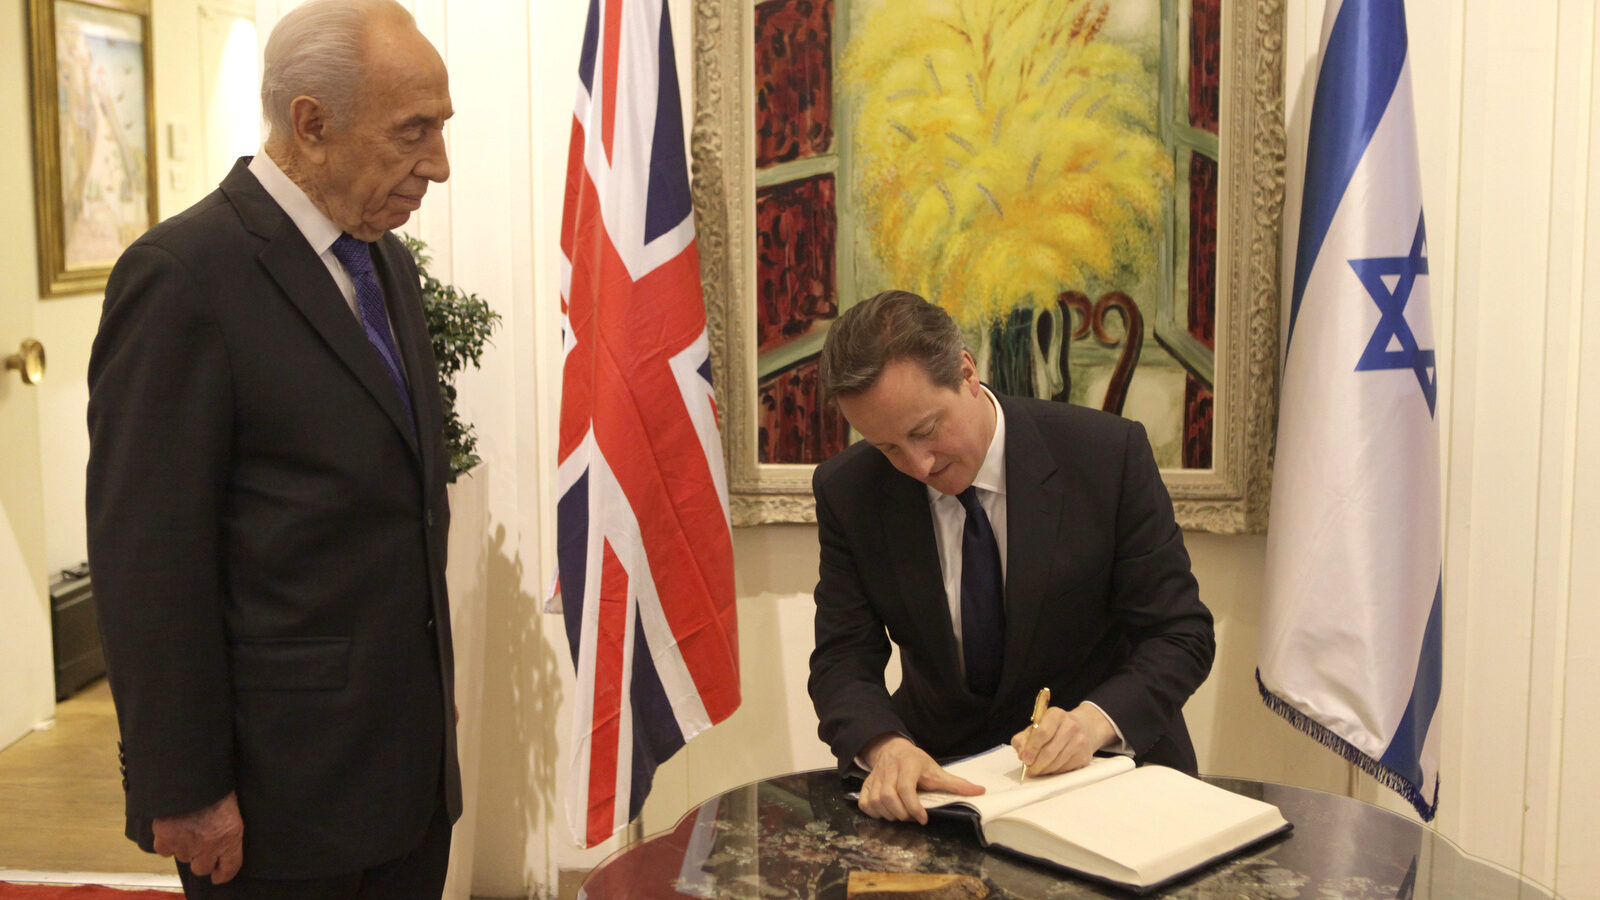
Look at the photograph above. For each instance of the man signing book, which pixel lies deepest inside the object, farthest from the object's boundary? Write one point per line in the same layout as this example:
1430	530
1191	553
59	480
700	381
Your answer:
1003	545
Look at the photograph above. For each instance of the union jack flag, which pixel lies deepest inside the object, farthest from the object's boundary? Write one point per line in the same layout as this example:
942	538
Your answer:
644	551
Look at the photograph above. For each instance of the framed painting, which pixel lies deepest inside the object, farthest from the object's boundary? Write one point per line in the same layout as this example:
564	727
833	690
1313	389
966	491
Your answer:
1092	188
93	137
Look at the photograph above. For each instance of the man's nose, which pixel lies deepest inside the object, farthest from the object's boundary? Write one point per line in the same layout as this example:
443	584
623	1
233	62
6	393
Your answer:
435	164
919	463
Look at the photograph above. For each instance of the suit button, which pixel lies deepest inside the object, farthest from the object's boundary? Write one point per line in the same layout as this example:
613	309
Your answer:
427	518
430	625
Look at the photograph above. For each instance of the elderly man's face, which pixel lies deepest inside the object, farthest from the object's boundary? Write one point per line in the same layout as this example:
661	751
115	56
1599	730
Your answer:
379	164
934	434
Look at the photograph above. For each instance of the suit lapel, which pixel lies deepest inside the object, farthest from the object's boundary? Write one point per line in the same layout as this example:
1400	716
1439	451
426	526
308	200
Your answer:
914	555
305	281
1034	509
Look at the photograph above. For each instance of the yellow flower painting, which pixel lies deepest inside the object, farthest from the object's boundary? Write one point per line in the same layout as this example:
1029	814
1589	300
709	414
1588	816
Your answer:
1045	170
1005	152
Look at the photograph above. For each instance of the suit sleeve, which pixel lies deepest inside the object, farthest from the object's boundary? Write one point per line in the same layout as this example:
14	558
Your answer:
160	425
852	648
1156	601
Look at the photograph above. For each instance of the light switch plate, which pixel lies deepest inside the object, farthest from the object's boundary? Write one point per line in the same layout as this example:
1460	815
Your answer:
177	141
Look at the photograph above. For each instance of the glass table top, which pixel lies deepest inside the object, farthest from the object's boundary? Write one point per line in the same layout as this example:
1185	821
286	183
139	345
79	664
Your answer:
799	836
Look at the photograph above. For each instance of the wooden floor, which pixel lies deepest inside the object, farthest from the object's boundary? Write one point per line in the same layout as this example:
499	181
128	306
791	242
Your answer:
61	798
61	795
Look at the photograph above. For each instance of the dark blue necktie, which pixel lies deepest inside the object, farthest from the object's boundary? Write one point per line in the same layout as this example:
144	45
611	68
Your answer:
983	617
356	257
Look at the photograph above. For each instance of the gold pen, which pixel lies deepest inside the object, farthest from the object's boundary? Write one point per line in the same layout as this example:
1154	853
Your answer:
1040	704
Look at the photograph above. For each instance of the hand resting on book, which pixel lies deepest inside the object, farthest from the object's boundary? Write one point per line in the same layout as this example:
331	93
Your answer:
899	769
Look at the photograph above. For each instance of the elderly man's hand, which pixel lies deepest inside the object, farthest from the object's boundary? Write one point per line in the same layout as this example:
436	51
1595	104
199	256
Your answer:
1064	740
210	840
899	769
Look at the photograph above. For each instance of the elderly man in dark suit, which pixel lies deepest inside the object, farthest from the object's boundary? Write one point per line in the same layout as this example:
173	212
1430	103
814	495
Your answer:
266	492
1005	545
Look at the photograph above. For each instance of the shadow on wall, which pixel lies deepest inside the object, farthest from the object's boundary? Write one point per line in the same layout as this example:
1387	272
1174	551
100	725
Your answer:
522	699
1234	732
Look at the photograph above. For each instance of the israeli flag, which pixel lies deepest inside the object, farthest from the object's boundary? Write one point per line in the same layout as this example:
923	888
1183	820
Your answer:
1350	641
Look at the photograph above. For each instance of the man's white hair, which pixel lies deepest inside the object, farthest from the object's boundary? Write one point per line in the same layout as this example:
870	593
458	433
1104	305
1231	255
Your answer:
316	50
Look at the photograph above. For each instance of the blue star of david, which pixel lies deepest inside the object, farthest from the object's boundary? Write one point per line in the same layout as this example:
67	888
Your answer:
1393	344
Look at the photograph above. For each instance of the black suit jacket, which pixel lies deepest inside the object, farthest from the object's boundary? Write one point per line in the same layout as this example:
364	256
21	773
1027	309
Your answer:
1100	603
267	540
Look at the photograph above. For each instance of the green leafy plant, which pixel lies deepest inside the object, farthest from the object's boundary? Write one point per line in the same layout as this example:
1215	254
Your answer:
460	325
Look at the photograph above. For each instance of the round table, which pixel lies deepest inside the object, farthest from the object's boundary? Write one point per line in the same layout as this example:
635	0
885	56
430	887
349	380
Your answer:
799	836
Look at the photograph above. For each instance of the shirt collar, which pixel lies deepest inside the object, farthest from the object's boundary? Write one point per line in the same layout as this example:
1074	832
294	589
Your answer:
992	473
318	229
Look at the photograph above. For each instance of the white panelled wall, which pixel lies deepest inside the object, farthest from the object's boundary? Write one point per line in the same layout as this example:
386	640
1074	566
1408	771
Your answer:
1505	91
1517	148
1504	97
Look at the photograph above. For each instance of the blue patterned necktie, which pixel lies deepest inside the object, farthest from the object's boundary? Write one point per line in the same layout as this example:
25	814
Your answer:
983	618
356	257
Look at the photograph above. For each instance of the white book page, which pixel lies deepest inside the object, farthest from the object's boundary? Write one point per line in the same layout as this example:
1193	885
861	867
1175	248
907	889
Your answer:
999	772
1154	821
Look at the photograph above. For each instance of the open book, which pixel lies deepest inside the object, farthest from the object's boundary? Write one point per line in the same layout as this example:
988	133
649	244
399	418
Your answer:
1137	828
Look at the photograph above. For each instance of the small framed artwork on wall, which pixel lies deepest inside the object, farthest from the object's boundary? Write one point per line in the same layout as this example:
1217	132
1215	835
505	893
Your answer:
93	137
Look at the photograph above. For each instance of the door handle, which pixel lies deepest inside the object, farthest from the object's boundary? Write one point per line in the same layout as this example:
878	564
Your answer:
29	361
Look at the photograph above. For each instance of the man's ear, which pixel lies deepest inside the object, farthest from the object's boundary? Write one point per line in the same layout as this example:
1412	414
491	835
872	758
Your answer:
308	118
969	373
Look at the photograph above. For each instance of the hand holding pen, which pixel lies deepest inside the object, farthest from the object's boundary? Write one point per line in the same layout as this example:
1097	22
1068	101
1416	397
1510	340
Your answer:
1060	740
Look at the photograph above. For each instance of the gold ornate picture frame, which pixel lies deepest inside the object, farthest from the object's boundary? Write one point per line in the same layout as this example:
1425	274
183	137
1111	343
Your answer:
1231	495
94	137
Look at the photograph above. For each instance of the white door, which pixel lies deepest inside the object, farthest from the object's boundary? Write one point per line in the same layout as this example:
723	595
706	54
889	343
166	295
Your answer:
27	678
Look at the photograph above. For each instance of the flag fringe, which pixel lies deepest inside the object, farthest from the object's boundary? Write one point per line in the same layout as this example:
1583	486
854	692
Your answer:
1325	736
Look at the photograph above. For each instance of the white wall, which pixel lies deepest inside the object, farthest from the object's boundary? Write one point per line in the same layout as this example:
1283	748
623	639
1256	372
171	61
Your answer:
1504	93
1526	410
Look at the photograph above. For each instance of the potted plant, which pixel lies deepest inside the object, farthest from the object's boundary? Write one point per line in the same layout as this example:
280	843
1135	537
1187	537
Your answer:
460	325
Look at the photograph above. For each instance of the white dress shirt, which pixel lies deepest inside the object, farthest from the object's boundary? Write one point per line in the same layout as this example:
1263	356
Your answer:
318	229
950	520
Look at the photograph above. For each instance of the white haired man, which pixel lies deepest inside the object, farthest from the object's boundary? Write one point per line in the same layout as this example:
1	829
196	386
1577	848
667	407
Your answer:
266	503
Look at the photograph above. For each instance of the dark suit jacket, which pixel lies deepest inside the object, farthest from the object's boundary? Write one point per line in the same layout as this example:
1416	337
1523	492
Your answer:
267	541
1100	603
